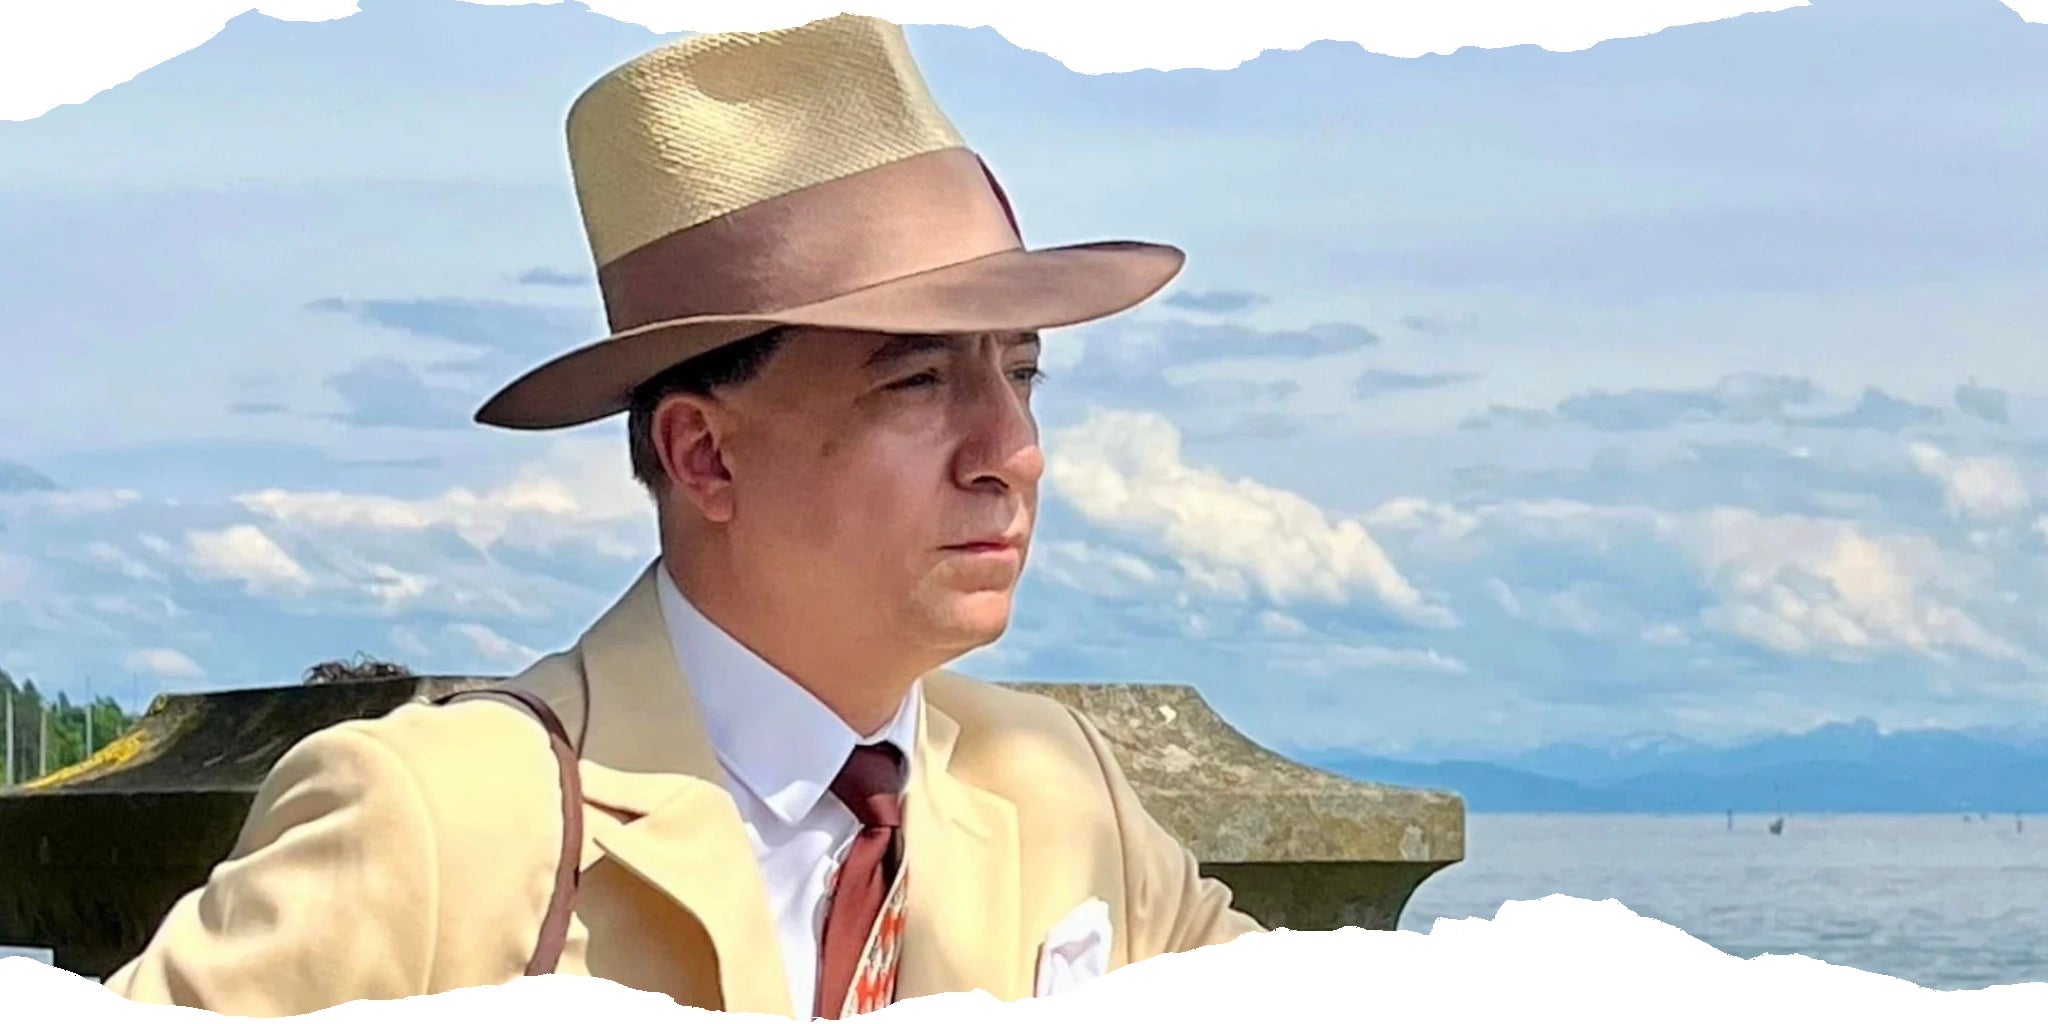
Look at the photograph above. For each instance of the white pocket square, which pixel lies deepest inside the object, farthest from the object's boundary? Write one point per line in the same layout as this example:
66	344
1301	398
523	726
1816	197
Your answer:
1076	949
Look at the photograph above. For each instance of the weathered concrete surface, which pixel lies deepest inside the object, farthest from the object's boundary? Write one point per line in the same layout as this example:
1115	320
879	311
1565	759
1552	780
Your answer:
92	857
1301	848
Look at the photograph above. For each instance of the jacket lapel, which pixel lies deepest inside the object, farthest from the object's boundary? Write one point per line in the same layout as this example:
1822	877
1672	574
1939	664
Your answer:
647	754
693	850
961	928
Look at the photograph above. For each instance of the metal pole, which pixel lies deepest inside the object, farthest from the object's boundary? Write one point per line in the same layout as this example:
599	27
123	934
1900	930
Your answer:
10	737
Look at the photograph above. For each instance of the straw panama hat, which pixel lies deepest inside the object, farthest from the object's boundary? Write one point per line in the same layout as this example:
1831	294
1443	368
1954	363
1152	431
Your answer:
737	182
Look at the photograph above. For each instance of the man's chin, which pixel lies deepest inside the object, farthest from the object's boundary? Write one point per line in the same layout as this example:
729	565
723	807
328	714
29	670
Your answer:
977	619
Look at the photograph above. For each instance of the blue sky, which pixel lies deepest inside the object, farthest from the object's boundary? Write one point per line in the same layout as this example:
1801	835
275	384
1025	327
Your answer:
1691	383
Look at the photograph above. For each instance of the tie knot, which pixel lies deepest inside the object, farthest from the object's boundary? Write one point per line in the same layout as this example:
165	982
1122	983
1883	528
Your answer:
871	784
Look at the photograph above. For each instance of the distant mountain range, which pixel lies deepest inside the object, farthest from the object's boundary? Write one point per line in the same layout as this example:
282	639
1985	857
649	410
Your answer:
1842	768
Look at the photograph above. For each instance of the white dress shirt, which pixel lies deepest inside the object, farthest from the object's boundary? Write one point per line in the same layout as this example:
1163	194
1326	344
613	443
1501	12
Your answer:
781	747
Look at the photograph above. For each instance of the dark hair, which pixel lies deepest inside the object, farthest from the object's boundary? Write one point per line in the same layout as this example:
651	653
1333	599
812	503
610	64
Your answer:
726	366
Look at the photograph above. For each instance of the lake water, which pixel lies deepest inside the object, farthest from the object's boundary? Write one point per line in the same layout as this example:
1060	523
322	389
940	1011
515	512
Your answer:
1942	901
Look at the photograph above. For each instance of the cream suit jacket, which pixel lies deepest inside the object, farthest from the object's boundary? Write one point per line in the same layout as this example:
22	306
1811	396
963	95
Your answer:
415	853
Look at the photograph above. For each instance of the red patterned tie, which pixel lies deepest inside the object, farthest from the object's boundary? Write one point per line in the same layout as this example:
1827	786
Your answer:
870	785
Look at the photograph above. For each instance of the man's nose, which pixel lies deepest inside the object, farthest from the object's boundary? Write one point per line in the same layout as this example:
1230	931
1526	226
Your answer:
1001	443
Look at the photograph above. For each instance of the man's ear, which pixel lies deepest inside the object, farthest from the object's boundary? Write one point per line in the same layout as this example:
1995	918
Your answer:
689	433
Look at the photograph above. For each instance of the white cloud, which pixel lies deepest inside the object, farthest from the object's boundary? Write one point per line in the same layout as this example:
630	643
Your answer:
1570	610
493	647
1799	585
1445	530
462	647
1096	570
1803	585
1435	521
1974	488
1324	660
1067	351
14	577
1279	624
1596	526
164	662
1504	596
245	554
1124	470
122	562
407	642
543	547
1665	634
579	500
138	605
64	503
396	588
347	565
581	490
1794	584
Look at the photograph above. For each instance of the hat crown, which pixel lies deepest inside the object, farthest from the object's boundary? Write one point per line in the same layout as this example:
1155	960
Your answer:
707	126
805	176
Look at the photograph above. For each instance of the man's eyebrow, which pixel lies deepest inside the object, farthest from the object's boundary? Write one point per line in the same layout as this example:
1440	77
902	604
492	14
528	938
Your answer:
904	346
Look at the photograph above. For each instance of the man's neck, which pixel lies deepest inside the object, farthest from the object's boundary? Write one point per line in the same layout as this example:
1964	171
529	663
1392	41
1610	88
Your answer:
864	691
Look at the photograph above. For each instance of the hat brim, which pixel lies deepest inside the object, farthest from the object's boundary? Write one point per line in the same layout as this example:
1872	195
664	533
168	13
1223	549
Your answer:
1017	290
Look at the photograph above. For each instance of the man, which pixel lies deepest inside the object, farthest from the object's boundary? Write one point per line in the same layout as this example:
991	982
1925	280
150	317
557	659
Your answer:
825	339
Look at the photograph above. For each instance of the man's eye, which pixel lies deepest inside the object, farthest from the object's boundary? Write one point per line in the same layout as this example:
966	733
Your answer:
1025	375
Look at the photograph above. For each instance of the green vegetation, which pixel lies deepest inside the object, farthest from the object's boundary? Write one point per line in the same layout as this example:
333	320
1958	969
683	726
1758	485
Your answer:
64	730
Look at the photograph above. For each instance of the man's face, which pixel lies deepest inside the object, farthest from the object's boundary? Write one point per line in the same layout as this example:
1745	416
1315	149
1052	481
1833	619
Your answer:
886	485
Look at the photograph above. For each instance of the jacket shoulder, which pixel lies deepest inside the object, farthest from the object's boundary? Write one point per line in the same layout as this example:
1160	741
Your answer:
488	788
1026	746
471	737
380	858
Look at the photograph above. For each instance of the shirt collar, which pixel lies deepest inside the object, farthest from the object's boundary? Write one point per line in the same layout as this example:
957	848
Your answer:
772	735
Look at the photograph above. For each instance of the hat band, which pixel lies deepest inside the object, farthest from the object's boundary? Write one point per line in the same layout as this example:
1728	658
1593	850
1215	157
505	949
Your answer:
904	217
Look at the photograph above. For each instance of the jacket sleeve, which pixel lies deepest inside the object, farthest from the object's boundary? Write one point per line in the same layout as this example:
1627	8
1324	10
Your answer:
1170	906
327	896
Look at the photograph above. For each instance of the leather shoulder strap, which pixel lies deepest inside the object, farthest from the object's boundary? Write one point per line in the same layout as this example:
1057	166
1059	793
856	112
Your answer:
554	927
